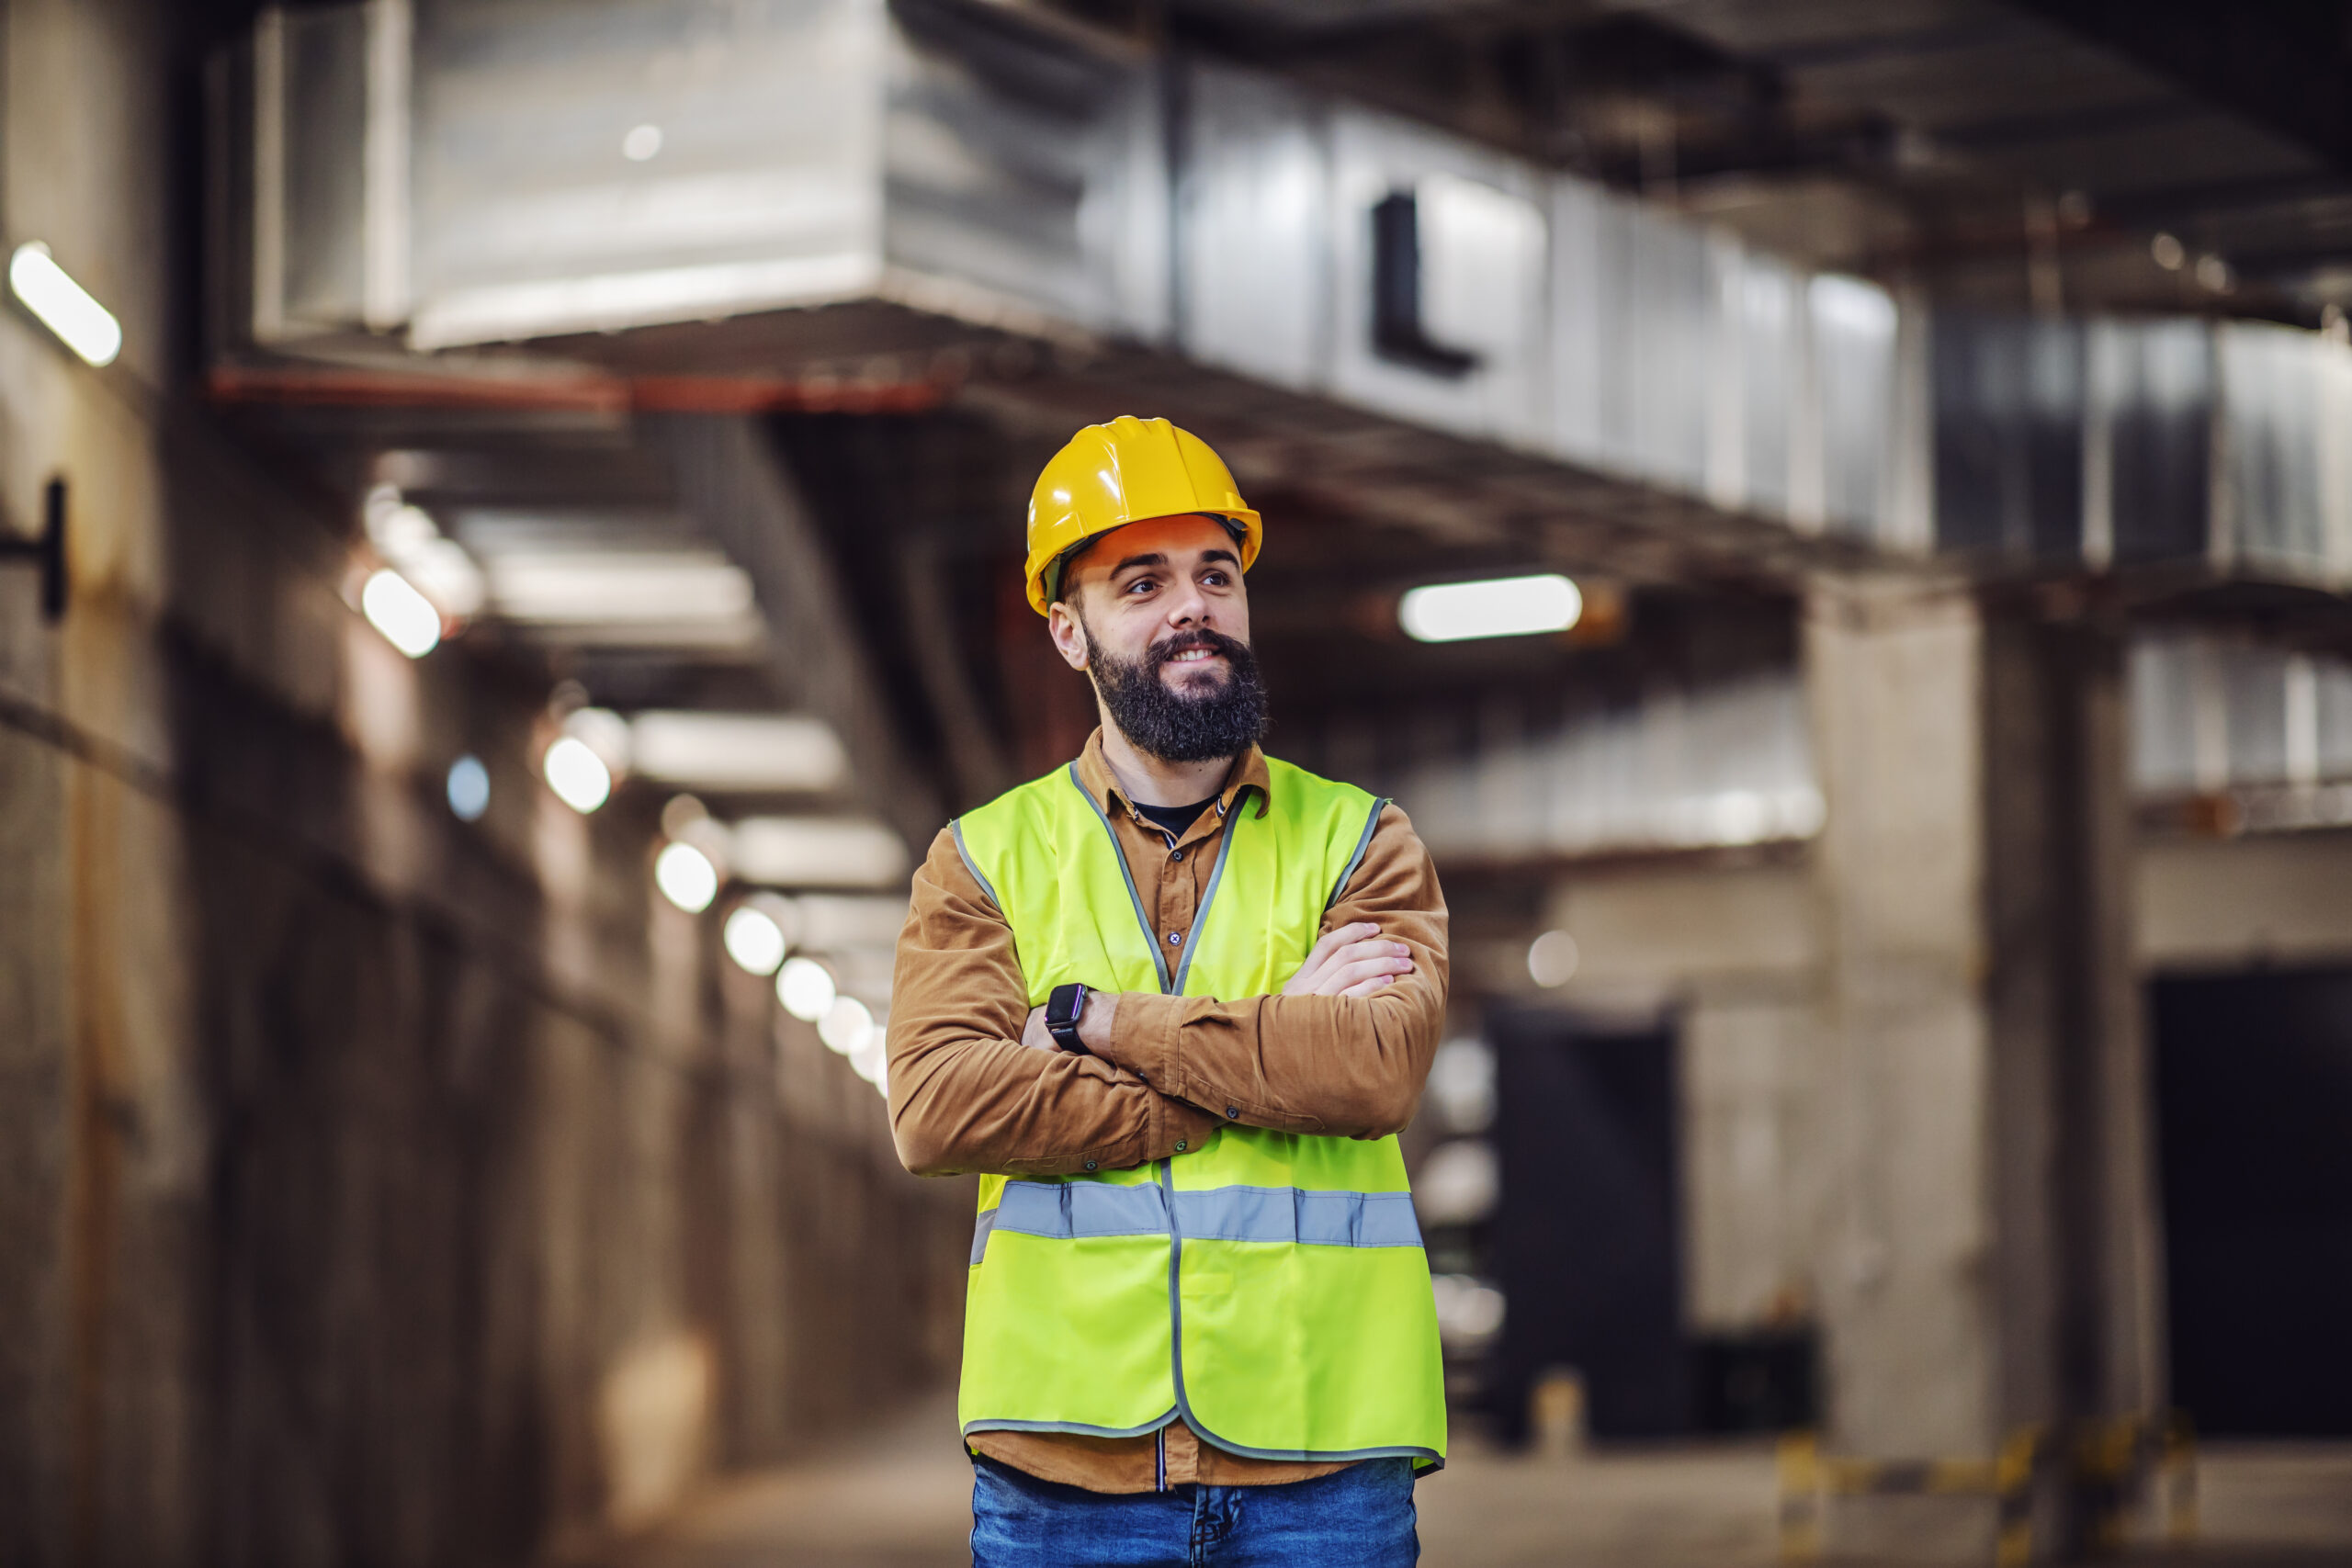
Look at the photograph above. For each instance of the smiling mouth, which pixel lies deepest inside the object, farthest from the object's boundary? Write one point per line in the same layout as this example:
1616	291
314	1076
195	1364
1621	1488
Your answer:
1193	655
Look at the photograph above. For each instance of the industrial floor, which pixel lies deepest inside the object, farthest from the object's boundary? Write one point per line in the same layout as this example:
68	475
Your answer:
899	1498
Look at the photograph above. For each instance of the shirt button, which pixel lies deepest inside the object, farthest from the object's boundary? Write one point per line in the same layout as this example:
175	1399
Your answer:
1180	1146
1090	1165
1175	855
1233	1114
1175	939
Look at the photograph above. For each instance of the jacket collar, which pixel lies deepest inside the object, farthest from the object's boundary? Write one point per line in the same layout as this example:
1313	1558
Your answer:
1248	771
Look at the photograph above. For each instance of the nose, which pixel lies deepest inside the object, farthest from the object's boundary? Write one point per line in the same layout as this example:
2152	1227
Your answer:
1188	606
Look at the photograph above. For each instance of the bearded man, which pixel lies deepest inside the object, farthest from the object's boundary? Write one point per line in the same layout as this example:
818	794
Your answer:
1173	1001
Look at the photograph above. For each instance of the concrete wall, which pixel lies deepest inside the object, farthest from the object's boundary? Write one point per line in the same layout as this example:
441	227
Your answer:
2239	903
1732	950
1731	946
373	1186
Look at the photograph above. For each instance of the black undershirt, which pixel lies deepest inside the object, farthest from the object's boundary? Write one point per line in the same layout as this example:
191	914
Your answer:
1173	819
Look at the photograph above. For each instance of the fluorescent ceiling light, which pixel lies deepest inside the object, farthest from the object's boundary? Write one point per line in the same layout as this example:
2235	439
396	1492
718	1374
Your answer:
605	733
1503	607
687	877
846	1025
63	306
436	567
805	988
872	1058
817	852
468	788
833	922
577	774
738	750
617	586
406	617
754	941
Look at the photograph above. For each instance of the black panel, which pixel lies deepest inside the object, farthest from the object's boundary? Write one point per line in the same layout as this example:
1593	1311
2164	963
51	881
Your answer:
1584	1241
2255	1097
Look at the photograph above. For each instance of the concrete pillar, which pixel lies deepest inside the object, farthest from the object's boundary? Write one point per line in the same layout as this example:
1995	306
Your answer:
1986	1260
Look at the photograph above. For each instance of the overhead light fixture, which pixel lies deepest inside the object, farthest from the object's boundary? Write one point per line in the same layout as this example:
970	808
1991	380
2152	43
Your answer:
846	1026
836	922
805	988
63	306
687	877
817	852
1503	607
607	733
738	750
468	787
406	617
871	1060
577	774
573	586
408	538
753	940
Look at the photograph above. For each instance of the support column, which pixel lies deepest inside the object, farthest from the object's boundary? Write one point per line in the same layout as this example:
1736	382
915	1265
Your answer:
1986	1258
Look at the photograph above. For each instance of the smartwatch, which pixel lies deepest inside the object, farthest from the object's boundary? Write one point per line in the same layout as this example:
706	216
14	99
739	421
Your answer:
1061	1016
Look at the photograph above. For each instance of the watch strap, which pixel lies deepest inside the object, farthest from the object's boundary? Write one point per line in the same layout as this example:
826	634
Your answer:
1062	1011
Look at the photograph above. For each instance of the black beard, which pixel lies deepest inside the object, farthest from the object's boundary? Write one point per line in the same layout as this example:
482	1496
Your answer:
1187	725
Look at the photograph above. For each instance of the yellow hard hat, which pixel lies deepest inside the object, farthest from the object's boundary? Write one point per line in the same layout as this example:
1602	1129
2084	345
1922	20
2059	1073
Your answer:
1125	471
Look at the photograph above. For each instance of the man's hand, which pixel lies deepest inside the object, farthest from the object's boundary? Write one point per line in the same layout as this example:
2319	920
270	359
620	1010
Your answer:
1353	961
1093	1024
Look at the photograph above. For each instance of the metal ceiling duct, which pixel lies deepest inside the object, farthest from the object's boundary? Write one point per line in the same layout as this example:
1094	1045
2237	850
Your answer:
528	168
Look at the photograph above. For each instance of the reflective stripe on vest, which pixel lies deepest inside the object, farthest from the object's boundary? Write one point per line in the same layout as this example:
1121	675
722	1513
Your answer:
1071	1210
1268	1287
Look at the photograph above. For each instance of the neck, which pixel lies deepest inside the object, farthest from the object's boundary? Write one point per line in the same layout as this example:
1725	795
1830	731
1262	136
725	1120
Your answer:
1151	781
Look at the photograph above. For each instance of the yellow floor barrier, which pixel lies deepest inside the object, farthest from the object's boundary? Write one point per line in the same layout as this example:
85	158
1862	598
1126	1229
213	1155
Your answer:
2113	1461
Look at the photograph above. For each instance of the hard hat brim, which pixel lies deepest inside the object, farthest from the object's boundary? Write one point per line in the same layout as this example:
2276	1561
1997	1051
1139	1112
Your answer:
1242	522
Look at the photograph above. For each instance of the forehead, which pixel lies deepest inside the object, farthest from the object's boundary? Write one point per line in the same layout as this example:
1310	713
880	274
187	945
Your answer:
1180	540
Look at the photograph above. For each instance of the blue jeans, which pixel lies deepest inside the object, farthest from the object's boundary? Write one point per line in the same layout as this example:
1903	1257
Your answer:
1358	1517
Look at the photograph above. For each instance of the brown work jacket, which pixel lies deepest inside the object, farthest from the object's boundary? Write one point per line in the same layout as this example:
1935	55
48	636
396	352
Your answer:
966	1095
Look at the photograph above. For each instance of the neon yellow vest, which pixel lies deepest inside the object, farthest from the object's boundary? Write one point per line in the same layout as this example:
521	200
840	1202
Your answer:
1270	1288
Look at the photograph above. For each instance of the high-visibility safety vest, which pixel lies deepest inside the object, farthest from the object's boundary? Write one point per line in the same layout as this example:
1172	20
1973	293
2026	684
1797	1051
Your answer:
1269	1288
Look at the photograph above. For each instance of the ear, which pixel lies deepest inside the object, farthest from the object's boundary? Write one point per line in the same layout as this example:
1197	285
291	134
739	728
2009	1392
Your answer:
1070	637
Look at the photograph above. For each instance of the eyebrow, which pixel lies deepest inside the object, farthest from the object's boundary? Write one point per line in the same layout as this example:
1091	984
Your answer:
1155	558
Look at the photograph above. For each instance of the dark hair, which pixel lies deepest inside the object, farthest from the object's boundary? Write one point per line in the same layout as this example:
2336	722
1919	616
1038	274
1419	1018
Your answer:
1061	573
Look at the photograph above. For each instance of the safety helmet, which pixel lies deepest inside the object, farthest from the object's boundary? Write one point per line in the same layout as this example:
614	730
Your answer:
1126	471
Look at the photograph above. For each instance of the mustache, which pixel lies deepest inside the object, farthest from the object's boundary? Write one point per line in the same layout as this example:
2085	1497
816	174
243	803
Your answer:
1168	648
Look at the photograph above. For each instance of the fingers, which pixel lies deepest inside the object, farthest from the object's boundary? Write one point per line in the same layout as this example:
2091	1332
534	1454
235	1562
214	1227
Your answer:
1343	978
1308	981
1034	1032
1332	941
1351	961
1374	947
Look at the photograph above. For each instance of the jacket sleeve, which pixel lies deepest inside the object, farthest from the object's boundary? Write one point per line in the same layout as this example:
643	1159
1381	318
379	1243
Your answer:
1335	1065
965	1094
